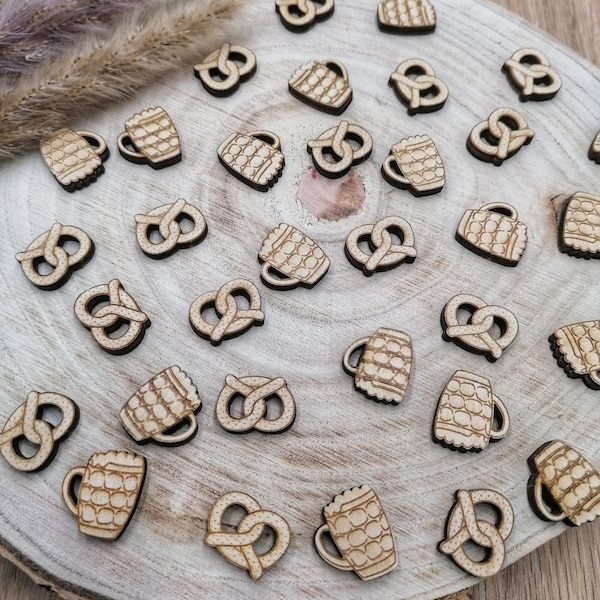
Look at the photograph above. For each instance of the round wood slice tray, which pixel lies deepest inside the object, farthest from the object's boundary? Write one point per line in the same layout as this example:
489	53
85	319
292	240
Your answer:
340	439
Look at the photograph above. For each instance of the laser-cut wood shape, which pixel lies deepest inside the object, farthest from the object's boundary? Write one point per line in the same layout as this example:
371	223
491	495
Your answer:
579	226
406	16
594	151
530	73
417	87
301	15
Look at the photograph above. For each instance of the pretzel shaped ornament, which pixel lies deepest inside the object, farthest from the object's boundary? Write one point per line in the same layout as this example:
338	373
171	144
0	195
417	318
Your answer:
416	85
222	71
531	74
299	15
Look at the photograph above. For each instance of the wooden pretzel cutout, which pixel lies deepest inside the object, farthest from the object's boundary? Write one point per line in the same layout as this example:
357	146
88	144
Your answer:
529	71
416	85
300	15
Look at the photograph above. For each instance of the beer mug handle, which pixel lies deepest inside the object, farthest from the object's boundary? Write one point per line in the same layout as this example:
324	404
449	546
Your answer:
335	561
337	68
501	208
122	142
349	368
181	438
267	137
274	281
392	173
498	434
67	488
541	505
97	142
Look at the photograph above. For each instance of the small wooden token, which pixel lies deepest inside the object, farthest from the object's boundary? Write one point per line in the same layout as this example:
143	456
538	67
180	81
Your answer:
74	157
109	491
362	535
27	423
103	309
464	525
494	232
503	134
579	226
406	16
232	320
385	254
222	71
416	85
563	486
336	150
530	73
150	138
237	547
594	151
51	250
300	15
474	335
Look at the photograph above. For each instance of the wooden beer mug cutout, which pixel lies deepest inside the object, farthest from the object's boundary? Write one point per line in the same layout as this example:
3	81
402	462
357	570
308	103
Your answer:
165	223
503	134
563	486
463	526
158	409
594	151
494	232
237	547
385	253
323	85
360	531
529	72
406	16
74	157
111	484
103	309
300	15
222	71
579	226
416	85
150	138
27	423
51	249
474	335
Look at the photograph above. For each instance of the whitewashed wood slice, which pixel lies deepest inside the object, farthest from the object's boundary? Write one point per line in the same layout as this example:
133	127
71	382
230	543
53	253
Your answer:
340	438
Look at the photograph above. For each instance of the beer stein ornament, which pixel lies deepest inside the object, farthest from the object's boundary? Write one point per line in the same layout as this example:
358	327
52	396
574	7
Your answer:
150	138
359	528
74	157
222	71
383	369
415	164
594	151
530	73
466	411
579	226
406	16
300	15
160	407
109	491
494	232
323	85
417	87
255	158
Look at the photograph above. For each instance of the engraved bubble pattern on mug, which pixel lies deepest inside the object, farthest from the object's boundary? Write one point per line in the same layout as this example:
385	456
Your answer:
407	13
252	157
584	341
581	226
421	159
153	133
320	84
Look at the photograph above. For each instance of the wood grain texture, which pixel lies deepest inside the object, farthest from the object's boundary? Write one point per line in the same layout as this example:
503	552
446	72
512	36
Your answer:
527	578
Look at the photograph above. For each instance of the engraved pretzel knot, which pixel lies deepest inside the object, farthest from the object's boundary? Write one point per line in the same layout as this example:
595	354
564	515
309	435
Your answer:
237	547
25	423
385	253
301	13
416	84
220	73
49	248
475	334
463	526
232	320
255	391
531	73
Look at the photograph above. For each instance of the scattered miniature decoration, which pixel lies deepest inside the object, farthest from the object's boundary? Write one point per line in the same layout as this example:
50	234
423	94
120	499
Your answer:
415	164
119	309
166	221
220	72
579	226
332	152
28	423
494	232
384	367
111	484
577	350
416	85
503	134
74	157
238	547
464	526
594	152
563	486
474	335
300	15
49	249
385	254
232	320
466	411
529	71
406	16
254	158
323	85
162	404
153	137
255	393
357	523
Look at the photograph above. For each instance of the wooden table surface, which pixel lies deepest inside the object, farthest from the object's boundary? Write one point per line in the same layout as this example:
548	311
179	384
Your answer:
565	567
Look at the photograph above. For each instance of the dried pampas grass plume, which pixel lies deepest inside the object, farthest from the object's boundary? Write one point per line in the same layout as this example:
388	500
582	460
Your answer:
101	69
